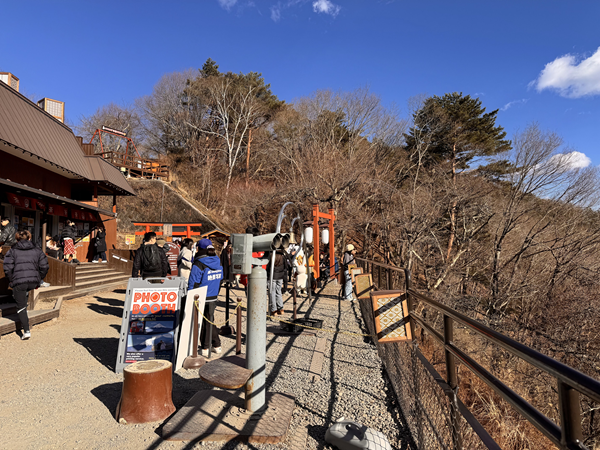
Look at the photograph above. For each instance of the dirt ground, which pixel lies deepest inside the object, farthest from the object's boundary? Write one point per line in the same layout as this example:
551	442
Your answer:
59	389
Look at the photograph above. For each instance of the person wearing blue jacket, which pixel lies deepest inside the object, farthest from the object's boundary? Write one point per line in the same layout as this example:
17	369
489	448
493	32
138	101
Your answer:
207	271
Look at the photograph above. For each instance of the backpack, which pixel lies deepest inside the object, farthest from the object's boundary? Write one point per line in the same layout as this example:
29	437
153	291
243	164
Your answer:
151	259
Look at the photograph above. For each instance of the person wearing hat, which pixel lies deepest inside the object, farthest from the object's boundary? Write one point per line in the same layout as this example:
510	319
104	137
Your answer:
7	234
347	260
207	271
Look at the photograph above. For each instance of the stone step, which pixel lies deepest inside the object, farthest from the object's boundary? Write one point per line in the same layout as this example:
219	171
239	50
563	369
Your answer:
99	282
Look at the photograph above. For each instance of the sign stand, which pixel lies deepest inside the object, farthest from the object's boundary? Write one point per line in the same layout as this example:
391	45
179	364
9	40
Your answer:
150	325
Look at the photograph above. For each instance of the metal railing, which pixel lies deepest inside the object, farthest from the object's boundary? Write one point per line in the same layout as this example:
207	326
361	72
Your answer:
570	382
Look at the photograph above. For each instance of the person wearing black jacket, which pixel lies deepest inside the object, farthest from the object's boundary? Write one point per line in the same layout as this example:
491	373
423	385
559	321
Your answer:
280	272
100	245
68	235
25	266
7	234
150	261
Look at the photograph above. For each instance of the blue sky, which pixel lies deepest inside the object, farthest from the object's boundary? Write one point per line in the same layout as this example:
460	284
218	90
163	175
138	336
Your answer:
536	61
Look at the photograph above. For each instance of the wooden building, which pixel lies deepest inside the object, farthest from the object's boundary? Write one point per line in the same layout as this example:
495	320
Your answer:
46	177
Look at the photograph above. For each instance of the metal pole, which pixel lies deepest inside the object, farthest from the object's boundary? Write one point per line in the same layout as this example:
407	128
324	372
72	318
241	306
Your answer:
452	379
194	361
238	337
227	329
294	296
256	338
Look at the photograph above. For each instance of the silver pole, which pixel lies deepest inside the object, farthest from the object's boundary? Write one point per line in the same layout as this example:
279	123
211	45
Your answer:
256	331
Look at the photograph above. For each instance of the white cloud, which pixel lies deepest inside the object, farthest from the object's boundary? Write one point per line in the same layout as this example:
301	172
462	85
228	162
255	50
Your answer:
227	4
513	103
276	12
574	160
326	7
571	76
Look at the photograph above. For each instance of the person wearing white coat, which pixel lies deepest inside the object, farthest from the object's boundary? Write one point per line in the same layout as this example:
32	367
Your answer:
186	259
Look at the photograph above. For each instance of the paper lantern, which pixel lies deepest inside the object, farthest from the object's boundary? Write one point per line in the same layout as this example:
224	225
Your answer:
325	236
308	235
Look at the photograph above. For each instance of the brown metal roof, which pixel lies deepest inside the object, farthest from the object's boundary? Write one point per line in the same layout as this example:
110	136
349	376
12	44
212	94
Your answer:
26	126
102	170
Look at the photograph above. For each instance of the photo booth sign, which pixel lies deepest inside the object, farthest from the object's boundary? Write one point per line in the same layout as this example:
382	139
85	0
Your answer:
150	325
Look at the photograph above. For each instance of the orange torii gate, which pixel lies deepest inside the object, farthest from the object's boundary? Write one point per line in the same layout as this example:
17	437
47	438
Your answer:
316	230
188	233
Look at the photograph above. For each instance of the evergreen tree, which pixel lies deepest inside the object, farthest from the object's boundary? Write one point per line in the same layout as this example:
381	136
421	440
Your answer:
458	130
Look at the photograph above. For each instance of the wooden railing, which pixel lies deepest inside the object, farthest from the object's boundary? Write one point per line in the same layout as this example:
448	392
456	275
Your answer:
121	260
137	167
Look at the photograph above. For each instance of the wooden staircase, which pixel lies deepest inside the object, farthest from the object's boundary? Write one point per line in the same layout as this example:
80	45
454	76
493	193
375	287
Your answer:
89	279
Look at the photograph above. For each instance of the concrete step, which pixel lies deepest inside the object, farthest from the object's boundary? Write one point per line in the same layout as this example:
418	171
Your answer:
6	309
91	290
98	282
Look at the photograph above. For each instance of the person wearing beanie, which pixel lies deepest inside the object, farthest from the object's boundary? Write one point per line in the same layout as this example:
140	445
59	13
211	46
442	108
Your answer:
207	271
346	261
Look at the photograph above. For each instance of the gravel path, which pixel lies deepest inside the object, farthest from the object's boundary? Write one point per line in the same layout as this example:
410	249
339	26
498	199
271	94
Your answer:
59	389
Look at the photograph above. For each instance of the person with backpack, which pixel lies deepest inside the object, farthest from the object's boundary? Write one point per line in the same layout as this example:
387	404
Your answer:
207	271
150	261
25	266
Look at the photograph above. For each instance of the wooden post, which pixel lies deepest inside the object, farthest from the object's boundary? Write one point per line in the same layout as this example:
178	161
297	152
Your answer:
44	228
114	204
331	244
316	237
147	392
238	337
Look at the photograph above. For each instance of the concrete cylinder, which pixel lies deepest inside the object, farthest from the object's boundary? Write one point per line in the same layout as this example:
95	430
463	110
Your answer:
256	332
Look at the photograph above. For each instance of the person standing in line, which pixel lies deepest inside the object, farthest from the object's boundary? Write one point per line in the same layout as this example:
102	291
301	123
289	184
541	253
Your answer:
228	275
346	260
207	271
186	258
162	244
68	235
150	261
100	245
280	270
7	234
25	266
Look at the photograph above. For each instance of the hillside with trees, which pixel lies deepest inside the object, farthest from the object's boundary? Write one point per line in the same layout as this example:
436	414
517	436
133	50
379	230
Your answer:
503	229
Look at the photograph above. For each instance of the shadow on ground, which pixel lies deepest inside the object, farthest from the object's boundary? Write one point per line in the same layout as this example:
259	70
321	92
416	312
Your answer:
111	307
104	350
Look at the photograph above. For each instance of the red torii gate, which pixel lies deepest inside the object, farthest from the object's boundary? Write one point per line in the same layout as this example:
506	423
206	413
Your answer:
317	236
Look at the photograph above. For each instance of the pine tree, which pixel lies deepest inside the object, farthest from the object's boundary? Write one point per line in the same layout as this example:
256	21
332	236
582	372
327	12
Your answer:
459	130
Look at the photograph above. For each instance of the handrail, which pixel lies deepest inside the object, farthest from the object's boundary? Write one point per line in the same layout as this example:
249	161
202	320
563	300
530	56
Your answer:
570	381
